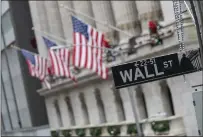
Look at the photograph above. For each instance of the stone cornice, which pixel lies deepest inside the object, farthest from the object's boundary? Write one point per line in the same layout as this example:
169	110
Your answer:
129	25
121	123
87	77
153	15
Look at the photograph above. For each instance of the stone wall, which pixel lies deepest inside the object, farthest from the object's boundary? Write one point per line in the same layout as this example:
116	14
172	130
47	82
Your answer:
131	17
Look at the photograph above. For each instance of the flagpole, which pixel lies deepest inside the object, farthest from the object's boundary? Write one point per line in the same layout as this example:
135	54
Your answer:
60	39
58	47
17	48
102	23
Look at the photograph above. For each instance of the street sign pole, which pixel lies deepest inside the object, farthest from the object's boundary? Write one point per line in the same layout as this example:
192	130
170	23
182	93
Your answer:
135	111
133	102
147	70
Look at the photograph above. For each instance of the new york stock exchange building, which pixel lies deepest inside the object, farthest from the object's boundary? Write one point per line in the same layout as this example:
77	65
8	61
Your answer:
93	106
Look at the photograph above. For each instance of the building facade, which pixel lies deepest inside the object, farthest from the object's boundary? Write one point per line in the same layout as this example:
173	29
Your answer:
22	108
95	103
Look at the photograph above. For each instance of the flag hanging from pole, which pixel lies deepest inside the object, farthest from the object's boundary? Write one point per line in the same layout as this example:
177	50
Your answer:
60	60
85	56
37	65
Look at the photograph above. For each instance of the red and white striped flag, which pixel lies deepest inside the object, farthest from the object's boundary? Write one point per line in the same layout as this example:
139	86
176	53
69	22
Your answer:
60	60
85	56
37	65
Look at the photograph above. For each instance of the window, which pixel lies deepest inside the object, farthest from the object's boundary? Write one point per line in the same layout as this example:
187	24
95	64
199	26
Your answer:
119	104
100	105
58	113
84	107
70	111
7	28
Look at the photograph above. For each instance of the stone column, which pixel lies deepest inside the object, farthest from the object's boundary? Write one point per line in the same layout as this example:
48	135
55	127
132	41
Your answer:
78	111
140	101
64	111
54	20
108	98
66	19
127	104
183	99
103	12
94	114
126	18
39	20
176	87
148	10
86	8
52	117
154	99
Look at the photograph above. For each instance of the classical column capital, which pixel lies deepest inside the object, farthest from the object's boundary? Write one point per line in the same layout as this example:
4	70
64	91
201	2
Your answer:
66	19
103	12
86	8
54	19
129	25
126	18
148	10
152	15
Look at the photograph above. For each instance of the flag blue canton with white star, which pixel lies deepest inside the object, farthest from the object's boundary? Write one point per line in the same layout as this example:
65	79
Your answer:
29	56
80	27
37	65
49	43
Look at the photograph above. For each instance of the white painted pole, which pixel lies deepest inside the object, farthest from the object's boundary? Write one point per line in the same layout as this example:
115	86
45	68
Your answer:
102	23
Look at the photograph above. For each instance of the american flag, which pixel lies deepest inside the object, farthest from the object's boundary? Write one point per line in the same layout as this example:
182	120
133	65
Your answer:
37	65
85	56
60	60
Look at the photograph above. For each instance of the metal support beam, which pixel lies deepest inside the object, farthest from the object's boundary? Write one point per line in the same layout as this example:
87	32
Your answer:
189	10
200	7
197	28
